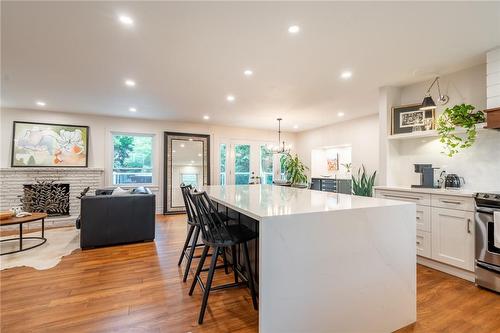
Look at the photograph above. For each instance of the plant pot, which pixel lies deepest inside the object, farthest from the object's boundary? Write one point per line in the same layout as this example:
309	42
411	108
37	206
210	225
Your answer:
300	185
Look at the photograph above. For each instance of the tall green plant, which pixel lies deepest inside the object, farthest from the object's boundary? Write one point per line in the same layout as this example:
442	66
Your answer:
462	115
295	170
362	184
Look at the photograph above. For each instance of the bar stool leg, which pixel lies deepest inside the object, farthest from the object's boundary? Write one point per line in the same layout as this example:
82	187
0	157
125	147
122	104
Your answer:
191	253
250	276
200	267
224	259
235	263
186	244
208	285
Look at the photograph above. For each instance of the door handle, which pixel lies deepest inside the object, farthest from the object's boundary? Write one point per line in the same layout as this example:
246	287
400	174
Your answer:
401	197
468	226
418	217
451	202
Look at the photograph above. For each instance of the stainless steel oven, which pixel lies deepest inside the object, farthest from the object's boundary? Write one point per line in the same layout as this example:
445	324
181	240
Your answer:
487	254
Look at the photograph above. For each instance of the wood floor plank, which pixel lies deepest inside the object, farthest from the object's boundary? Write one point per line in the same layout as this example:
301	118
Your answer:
139	288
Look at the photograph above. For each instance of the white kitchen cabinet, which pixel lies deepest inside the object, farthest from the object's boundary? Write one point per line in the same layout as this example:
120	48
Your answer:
424	218
453	237
423	244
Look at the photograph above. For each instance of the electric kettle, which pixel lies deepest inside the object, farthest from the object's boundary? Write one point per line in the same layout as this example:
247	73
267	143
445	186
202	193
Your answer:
453	181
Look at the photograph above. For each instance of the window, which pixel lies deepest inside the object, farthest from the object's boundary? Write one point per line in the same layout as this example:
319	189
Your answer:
242	164
132	159
190	179
266	165
222	171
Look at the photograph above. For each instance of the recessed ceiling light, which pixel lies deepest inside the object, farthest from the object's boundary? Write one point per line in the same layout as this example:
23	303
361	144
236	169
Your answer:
295	126
126	20
130	83
206	117
346	75
182	145
41	103
293	29
132	109
340	114
230	98
248	72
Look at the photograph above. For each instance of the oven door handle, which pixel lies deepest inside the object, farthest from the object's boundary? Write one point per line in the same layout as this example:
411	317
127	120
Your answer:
488	266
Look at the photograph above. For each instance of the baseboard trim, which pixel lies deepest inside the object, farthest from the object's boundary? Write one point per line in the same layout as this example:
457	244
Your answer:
455	271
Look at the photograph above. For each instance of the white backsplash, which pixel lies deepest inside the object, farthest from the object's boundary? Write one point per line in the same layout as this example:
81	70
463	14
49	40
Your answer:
479	164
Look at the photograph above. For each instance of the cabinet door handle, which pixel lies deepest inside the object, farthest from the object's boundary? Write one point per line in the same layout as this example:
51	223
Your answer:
401	197
418	217
418	242
451	202
468	226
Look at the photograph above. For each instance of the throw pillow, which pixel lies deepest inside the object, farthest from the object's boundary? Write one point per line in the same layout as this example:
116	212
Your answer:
120	191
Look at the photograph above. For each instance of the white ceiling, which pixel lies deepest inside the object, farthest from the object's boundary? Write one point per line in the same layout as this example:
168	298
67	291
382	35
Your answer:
186	57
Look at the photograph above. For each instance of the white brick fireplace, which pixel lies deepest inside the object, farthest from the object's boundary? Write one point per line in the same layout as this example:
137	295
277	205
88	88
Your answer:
13	179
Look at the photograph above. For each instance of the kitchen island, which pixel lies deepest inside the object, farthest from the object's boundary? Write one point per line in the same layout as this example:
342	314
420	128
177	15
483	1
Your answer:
328	262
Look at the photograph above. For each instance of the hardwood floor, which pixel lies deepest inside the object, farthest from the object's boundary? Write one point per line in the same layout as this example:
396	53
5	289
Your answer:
138	288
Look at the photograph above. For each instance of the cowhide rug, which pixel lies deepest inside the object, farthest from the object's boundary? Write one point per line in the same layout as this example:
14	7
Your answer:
60	242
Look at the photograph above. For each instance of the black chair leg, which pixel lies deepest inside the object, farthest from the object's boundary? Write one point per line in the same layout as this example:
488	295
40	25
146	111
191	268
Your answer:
250	276
208	285
186	244
191	253
224	258
235	263
200	267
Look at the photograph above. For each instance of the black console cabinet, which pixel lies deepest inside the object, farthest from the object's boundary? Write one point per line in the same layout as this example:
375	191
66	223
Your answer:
332	185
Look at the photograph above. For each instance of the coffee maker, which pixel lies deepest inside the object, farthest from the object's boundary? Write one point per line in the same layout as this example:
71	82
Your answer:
426	172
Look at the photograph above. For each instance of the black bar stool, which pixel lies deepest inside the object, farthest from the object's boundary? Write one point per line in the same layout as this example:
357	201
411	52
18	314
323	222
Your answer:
219	235
192	235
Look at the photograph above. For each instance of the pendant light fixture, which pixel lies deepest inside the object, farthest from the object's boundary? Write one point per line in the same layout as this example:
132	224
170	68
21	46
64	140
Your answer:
281	147
428	102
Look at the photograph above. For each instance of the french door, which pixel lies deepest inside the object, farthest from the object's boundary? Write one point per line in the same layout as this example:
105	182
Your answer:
242	160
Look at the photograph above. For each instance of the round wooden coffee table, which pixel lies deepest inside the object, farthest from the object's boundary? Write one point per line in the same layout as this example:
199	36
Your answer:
22	220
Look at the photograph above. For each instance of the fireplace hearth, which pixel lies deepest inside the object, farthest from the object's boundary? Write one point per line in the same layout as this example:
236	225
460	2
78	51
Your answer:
46	196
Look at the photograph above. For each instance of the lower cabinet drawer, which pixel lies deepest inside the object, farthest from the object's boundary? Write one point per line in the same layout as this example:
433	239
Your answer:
423	243
424	218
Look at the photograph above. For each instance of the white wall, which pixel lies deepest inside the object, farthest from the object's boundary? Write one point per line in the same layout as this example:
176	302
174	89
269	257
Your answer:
479	165
319	158
362	134
100	148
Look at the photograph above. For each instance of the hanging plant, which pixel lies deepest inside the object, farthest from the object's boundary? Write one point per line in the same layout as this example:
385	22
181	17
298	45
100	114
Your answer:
464	116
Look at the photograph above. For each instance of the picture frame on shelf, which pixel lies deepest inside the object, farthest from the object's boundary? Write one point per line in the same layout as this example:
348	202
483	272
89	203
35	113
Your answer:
409	118
49	145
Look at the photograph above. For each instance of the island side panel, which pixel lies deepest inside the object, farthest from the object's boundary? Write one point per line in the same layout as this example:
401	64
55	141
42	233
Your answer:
339	271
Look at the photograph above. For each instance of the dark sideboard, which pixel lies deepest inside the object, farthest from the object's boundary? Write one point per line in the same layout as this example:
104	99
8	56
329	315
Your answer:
332	185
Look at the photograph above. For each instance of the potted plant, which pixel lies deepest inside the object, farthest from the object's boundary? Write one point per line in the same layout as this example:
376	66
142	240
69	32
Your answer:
362	184
464	116
295	171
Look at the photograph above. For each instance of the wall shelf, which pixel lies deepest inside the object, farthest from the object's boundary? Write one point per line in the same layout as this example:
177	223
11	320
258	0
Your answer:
428	134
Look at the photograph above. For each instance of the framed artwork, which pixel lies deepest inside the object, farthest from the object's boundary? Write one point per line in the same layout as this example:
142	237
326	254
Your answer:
49	145
332	164
409	118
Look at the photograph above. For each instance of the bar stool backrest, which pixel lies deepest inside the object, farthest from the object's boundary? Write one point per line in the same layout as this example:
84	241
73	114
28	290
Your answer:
212	227
188	202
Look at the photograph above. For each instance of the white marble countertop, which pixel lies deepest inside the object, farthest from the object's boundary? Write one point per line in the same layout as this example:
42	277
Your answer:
259	201
457	192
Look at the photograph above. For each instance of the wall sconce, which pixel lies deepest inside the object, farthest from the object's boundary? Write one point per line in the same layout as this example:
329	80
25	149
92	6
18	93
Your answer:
428	102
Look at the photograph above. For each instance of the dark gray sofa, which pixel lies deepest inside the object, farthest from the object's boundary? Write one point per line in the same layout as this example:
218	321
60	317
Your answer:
117	219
